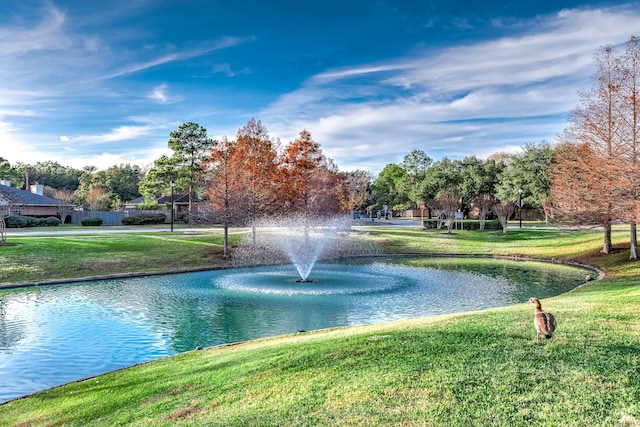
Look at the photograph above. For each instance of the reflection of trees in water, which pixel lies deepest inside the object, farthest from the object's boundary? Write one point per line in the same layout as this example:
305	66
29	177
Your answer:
11	331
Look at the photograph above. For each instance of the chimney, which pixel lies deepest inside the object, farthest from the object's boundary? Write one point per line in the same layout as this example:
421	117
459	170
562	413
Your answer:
37	189
5	182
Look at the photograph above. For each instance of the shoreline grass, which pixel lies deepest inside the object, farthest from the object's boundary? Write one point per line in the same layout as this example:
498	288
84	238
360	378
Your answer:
480	368
37	258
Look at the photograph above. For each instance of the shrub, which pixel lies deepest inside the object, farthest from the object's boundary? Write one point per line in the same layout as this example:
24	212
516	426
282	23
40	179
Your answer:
52	221
19	221
144	219
15	221
468	224
150	205
91	222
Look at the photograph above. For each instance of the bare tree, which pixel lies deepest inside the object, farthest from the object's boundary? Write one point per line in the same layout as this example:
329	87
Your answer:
484	203
5	211
630	112
221	189
597	162
7	206
448	202
503	211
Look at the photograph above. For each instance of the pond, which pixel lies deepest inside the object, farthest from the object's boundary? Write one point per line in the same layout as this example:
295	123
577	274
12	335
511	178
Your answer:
50	335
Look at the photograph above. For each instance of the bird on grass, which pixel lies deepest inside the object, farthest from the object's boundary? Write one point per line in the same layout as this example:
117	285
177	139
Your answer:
544	322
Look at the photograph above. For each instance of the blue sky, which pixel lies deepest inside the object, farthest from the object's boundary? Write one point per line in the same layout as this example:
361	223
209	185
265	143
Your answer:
103	83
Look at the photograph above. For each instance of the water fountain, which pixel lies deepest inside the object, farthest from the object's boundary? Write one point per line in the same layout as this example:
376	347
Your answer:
301	240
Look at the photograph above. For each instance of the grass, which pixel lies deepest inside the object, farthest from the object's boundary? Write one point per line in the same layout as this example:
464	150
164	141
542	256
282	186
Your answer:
36	258
480	368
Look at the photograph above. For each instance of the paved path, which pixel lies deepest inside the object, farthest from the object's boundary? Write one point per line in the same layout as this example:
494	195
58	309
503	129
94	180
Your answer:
53	231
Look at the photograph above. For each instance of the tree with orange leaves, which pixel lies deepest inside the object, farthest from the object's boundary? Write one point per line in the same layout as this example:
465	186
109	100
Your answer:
241	176
309	183
596	174
254	166
629	71
222	189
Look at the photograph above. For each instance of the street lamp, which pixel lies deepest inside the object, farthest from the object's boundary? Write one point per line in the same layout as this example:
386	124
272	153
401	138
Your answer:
520	204
172	184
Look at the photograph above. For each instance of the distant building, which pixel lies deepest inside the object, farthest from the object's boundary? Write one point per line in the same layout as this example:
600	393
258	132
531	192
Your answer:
33	203
180	204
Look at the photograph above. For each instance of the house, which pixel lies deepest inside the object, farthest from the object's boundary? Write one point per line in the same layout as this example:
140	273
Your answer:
32	203
180	205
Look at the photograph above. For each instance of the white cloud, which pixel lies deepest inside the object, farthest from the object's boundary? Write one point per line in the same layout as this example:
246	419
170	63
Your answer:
48	34
224	69
476	98
159	93
121	133
17	148
205	48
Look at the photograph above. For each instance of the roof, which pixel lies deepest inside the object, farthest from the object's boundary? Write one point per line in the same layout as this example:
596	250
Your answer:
22	197
177	198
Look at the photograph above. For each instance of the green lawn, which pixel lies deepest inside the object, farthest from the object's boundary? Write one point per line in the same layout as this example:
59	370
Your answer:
479	368
44	257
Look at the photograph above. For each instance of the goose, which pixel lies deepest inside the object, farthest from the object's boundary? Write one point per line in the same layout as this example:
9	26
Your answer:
544	322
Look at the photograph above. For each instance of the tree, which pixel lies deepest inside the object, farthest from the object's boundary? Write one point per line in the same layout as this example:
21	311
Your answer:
630	108
191	147
253	167
121	180
503	211
13	175
442	174
359	190
578	184
52	174
5	211
157	180
309	182
222	189
97	199
66	195
603	129
117	183
448	203
416	165
484	202
387	187
85	179
478	182
528	171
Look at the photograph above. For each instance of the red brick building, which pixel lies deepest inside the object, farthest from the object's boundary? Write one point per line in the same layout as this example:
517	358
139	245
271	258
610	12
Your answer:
32	203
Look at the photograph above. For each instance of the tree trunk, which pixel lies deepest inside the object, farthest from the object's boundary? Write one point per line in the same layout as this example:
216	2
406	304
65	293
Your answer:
482	218
254	235
3	233
226	240
633	234
190	219
449	223
607	246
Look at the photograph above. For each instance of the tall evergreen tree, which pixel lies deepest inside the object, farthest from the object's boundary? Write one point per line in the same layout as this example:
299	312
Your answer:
191	146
